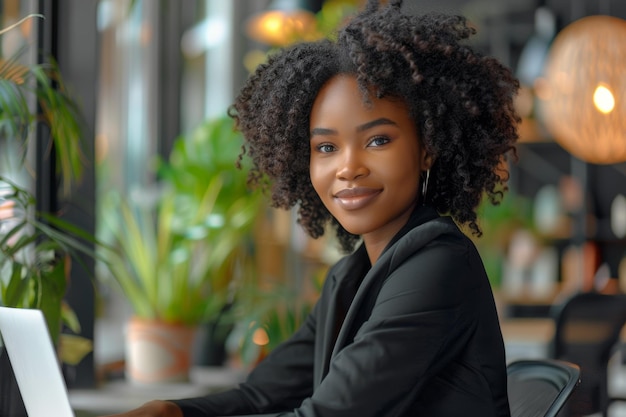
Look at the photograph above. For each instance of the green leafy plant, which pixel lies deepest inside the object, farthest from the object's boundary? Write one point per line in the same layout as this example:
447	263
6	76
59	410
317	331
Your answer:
176	258
275	313
34	257
41	83
36	248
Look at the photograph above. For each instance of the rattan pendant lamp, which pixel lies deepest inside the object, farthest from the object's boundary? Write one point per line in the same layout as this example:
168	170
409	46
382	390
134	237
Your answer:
582	97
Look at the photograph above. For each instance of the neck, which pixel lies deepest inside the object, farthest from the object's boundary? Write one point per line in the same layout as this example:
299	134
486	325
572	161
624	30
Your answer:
376	241
374	249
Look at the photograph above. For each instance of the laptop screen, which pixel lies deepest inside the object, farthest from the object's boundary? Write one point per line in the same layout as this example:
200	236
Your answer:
33	363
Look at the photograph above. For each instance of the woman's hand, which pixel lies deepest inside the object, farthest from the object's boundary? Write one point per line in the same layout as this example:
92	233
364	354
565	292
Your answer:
156	408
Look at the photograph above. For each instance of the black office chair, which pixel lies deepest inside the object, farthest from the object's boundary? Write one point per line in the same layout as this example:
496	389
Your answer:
540	387
587	331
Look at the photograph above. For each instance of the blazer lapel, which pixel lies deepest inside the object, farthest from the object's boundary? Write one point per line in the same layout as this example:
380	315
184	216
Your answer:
418	231
361	296
342	279
329	325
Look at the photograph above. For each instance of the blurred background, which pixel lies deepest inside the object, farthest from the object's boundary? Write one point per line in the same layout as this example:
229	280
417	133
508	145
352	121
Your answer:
153	80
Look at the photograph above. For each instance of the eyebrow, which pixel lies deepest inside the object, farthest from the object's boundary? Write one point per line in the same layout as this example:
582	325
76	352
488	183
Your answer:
365	126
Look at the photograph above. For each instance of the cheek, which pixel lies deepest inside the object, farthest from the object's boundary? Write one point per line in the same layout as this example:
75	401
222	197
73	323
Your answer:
401	167
317	176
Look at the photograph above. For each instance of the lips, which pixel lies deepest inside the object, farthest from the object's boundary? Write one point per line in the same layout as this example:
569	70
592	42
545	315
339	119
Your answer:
355	198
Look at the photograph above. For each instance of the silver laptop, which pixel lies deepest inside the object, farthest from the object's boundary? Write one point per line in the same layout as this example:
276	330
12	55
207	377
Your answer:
35	364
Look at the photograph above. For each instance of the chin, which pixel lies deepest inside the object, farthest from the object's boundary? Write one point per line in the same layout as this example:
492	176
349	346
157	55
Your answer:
356	229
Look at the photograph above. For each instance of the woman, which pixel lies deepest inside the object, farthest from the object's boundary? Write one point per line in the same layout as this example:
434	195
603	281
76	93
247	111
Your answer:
392	136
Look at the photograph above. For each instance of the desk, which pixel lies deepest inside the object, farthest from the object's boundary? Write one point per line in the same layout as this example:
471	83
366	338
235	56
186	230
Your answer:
119	396
527	338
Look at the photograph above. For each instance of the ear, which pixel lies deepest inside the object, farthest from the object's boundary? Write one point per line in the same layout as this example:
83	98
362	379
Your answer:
427	160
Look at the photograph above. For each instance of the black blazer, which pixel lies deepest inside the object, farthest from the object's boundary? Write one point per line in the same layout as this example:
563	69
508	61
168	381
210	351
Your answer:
420	338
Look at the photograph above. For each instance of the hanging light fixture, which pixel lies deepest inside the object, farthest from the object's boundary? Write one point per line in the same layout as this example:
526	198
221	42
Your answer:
284	21
583	91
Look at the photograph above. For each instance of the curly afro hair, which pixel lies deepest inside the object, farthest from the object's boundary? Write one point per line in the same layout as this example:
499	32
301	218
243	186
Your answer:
461	101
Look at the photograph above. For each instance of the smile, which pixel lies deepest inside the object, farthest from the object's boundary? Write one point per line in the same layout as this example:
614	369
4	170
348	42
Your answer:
355	198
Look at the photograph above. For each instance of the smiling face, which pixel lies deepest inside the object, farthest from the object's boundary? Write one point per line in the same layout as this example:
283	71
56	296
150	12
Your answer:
365	161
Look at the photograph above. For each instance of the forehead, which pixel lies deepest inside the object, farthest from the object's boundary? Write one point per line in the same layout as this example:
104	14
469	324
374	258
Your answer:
341	95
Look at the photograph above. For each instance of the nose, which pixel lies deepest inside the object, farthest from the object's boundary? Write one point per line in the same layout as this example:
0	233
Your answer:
352	166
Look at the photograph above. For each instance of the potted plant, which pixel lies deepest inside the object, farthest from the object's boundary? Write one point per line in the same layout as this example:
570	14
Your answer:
176	256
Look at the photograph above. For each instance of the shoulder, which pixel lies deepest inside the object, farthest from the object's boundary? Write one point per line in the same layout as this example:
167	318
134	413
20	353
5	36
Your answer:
447	252
439	237
445	265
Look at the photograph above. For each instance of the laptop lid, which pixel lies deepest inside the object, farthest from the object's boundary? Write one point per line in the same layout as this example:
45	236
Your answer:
25	336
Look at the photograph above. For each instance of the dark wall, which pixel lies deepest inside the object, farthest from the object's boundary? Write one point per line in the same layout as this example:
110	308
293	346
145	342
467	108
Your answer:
69	34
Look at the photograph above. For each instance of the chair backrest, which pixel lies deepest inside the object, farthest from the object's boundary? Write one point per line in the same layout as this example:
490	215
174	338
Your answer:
540	387
588	327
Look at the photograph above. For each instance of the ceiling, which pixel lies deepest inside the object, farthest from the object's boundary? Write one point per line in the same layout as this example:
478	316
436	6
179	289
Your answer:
505	26
567	10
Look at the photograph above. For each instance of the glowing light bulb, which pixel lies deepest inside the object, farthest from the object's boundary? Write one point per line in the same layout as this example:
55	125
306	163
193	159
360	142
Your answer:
260	337
603	99
273	23
280	28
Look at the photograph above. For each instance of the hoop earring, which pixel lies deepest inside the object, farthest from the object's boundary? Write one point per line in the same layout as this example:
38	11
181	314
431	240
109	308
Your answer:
425	186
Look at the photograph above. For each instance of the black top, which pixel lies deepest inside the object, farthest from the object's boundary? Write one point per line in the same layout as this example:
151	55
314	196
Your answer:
420	338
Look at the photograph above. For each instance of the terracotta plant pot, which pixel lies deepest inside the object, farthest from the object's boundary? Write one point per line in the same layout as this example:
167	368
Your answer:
158	352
